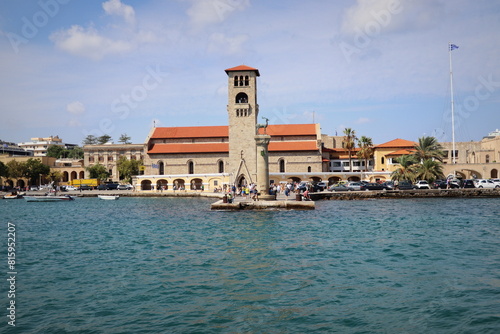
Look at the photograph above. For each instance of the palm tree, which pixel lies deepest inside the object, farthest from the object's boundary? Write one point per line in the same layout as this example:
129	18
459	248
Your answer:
430	170
429	148
406	170
365	150
349	143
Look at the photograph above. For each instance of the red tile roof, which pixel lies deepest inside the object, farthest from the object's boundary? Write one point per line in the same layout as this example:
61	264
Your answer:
191	132
401	152
190	148
290	130
223	131
243	68
397	143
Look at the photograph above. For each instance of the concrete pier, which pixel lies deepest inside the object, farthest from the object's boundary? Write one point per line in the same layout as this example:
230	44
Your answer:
263	205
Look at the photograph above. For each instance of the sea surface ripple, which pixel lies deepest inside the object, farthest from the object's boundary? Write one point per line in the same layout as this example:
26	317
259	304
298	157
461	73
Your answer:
169	265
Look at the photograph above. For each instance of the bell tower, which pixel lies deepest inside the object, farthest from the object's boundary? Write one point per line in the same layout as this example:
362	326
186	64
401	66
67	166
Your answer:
242	109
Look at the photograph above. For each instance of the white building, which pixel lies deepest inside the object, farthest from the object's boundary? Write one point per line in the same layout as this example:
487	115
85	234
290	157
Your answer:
39	145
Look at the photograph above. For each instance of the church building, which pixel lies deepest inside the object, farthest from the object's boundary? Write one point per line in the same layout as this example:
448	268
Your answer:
212	157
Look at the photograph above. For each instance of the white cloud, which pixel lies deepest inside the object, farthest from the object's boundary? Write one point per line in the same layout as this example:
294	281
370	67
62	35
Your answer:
374	17
203	12
116	7
363	120
220	43
75	108
88	43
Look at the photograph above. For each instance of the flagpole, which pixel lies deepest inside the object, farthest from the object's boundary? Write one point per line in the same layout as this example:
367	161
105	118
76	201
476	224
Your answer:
453	157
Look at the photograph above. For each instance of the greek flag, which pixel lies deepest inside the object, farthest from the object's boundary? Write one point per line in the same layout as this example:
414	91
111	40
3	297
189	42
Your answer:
453	47
155	166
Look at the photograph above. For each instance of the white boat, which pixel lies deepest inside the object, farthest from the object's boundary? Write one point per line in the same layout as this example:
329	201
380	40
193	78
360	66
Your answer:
109	197
13	195
48	198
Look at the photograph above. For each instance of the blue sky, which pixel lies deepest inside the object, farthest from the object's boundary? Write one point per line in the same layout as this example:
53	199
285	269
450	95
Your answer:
73	68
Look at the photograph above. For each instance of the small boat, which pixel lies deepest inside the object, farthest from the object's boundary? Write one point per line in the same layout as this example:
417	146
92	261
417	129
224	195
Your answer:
13	195
109	197
48	198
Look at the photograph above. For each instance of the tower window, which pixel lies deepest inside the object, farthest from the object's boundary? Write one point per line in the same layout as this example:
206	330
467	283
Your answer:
241	98
241	80
235	81
246	80
282	166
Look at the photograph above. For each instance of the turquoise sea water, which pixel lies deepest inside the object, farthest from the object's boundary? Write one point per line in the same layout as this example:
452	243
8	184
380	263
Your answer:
159	265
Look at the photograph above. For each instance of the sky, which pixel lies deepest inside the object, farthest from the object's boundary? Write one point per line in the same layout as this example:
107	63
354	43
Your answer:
380	67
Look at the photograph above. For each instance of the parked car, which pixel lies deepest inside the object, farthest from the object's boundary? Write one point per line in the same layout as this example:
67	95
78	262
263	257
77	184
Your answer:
405	185
422	184
374	186
319	186
443	184
389	185
439	184
124	187
468	184
339	187
85	187
356	185
70	188
482	183
102	187
496	181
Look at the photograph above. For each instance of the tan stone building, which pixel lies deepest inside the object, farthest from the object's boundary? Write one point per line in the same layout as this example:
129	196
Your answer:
480	159
108	156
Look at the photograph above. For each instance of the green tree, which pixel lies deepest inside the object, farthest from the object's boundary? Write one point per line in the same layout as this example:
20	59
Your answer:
349	143
365	149
429	148
55	151
128	168
124	139
429	170
16	169
55	176
406	170
35	168
75	153
98	171
103	139
90	140
4	172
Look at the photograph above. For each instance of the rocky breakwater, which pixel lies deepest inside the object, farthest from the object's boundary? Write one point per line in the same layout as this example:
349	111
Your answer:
414	193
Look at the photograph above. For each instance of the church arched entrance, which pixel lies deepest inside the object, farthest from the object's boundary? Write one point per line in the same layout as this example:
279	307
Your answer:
242	181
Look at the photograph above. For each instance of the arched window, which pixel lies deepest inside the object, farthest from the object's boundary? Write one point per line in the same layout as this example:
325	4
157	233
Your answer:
190	167
487	158
282	165
308	169
246	80
494	173
382	160
235	81
241	80
241	98
161	168
221	166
